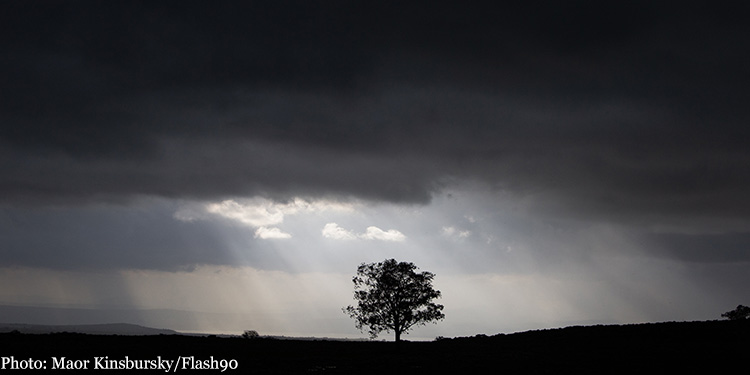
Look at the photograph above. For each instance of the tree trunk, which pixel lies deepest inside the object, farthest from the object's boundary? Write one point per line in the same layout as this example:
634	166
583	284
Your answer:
397	327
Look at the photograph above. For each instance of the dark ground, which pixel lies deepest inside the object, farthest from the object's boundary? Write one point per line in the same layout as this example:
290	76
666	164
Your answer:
704	347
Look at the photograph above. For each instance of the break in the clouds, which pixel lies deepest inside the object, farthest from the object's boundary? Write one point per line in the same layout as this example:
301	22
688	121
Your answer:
260	213
336	232
263	214
271	233
256	215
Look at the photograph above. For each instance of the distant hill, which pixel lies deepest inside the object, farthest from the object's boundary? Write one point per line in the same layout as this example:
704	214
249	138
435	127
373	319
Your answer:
93	329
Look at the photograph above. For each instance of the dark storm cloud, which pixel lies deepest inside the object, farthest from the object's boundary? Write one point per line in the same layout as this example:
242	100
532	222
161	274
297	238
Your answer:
605	109
714	248
144	235
106	237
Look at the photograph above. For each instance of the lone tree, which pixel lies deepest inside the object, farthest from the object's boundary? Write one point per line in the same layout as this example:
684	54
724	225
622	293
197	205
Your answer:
392	296
250	334
740	313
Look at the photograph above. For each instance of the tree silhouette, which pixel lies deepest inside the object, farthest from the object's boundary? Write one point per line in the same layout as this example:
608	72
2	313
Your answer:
392	296
250	334
740	313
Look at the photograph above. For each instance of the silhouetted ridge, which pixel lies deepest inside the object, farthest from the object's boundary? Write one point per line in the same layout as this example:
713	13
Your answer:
94	329
689	347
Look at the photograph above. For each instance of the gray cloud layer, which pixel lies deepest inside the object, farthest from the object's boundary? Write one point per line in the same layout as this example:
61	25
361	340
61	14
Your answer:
633	105
631	112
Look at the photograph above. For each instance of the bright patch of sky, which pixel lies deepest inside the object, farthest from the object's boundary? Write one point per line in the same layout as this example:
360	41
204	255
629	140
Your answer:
336	232
265	216
271	233
262	214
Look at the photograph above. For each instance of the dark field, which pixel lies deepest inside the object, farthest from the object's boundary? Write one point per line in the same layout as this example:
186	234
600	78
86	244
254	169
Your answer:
705	347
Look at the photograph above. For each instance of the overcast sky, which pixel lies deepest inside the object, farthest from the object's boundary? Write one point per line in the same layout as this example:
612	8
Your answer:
554	163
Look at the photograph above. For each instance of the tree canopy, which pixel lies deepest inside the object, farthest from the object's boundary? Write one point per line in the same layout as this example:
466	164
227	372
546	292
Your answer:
392	296
740	313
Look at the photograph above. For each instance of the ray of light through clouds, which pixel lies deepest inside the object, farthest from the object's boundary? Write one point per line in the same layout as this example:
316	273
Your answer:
222	168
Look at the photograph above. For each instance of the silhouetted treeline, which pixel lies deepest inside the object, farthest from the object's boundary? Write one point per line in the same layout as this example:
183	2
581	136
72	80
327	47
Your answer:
659	347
